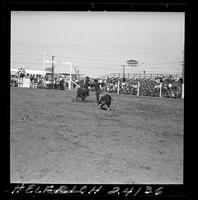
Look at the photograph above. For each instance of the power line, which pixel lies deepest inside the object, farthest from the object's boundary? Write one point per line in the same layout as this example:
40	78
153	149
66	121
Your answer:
111	50
116	48
95	60
93	65
107	43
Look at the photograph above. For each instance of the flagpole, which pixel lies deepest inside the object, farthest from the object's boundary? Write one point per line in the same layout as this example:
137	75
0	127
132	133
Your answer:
70	69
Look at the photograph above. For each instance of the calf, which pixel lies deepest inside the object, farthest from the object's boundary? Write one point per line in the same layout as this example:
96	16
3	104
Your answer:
105	100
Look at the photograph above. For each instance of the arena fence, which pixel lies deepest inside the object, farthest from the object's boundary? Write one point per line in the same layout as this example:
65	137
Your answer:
155	85
140	75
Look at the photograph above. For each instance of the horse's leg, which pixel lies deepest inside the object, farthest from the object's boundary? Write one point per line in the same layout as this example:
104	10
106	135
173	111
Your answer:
83	98
77	97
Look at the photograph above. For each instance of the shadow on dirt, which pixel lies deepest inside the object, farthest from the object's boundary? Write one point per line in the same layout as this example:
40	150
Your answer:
106	110
80	101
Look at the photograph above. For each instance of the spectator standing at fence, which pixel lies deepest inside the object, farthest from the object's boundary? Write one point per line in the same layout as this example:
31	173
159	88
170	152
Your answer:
61	83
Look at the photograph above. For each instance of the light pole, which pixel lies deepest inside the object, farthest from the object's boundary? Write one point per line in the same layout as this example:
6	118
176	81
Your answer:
70	74
123	70
53	71
132	63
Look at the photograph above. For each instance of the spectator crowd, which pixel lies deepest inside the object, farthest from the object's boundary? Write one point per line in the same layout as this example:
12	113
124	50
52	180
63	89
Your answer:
38	80
171	87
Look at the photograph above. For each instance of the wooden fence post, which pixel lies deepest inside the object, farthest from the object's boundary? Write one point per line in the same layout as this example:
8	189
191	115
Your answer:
138	89
118	90
182	90
160	90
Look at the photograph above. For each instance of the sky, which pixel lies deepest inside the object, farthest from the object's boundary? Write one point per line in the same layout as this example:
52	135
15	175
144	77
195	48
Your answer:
98	43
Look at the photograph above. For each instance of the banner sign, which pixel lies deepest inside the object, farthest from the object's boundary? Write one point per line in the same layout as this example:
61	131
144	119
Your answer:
132	62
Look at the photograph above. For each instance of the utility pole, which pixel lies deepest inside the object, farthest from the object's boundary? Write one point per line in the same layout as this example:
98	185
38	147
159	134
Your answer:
132	63
70	74
53	71
77	74
123	71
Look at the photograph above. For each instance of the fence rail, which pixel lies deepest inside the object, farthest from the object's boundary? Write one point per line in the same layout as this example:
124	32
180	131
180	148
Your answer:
156	85
141	75
136	84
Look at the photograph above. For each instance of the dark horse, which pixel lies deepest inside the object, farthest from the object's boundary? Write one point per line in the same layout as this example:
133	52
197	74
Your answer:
82	93
83	90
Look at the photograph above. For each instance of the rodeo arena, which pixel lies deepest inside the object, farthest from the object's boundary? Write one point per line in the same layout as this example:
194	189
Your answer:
153	85
120	128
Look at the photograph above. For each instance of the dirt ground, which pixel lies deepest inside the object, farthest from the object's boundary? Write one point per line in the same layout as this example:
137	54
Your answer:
54	139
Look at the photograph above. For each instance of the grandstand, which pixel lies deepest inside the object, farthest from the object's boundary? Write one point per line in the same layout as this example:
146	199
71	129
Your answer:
154	85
